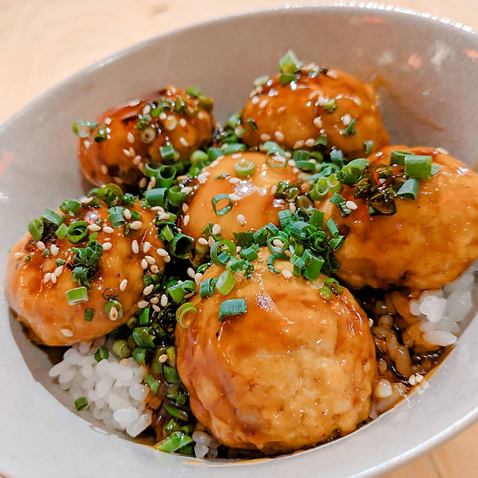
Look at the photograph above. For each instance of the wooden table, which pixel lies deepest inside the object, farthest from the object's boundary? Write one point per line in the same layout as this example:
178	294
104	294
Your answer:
44	41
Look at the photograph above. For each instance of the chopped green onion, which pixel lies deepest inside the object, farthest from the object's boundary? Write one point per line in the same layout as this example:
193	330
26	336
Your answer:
112	194
152	383
232	148
61	231
225	209
320	189
285	217
156	197
206	288
101	353
277	244
435	169
249	253
181	246
198	156
220	247
321	141
368	147
334	285
244	168
77	295
143	318
330	106
167	234
409	189
139	355
289	63
89	313
176	412
121	349
398	157
418	167
232	307
352	172
332	227
170	375
225	282
214	153
350	129
115	216
174	442
114	309
340	202
81	403
51	216
185	313
35	228
272	148
168	153
143	338
313	265
175	196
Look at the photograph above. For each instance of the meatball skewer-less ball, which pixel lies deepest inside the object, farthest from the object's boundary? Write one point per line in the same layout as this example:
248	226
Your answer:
163	128
302	104
78	274
236	194
421	233
294	370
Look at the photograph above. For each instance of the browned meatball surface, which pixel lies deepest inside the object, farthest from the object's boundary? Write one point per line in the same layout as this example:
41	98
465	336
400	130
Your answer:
293	371
329	103
427	243
126	138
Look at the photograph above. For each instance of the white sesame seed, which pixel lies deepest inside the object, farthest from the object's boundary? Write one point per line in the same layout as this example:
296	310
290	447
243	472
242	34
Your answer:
170	123
146	246
163	358
127	153
150	260
130	137
332	73
419	378
164	300
154	269
296	170
263	103
234	180
40	245
351	205
292	207
370	323
18	255
148	289
152	183
186	220
383	389
108	229
154	300
144	264
197	278
142	304
54	250
241	219
143	182
86	144
185	207
156	308
287	274
291	162
298	144
442	151
113	314
190	272
135	225
255	100
127	214
211	241
279	136
134	102
47	277
412	380
234	197
183	123
67	332
277	243
94	228
183	141
356	100
202	178
146	109
162	252
135	246
274	189
216	229
238	249
202	241
123	285
137	160
106	246
86	200
162	116
186	190
346	119
58	271
107	121
265	137
318	122
167	258
236	156
53	279
104	169
309	142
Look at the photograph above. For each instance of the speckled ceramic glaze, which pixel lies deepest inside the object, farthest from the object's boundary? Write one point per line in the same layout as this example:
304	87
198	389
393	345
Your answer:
426	70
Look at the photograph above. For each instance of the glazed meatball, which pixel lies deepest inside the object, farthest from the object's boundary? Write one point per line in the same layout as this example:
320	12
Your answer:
165	128
250	193
326	103
425	243
105	273
294	370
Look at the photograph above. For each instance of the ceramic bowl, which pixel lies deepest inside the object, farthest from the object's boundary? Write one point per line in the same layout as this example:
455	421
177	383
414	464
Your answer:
426	69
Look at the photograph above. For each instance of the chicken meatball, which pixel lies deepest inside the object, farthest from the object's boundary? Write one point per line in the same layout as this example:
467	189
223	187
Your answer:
236	192
82	275
292	371
426	242
164	128
320	102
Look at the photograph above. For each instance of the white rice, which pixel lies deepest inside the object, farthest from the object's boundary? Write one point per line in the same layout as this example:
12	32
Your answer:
443	311
113	388
115	392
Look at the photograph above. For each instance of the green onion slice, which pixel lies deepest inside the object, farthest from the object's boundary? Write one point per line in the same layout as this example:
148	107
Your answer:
51	216
77	231
244	168
206	288
101	353
218	248
185	314
418	167
35	228
225	282
226	208
81	403
409	189
77	295
232	307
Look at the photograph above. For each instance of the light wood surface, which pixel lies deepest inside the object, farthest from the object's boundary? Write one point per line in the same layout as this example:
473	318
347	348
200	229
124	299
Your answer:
44	41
